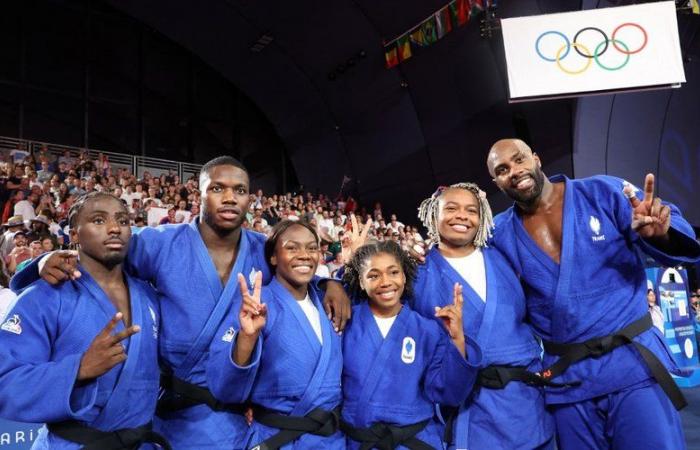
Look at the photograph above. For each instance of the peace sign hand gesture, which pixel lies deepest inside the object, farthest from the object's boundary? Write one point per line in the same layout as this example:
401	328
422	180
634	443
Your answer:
451	316
105	351
358	238
253	314
650	219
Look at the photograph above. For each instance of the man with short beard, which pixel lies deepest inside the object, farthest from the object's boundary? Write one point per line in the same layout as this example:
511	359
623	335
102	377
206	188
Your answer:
573	243
194	268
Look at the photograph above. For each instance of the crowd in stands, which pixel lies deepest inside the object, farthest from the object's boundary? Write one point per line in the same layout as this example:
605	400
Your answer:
37	191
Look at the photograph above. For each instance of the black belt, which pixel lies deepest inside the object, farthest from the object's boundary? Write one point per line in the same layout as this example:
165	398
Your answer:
319	422
383	436
93	439
497	377
177	394
572	353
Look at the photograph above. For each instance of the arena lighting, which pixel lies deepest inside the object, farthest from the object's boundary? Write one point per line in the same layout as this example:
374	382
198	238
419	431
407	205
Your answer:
263	41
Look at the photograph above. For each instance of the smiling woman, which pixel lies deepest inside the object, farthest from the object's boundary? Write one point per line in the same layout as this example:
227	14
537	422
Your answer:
388	341
298	380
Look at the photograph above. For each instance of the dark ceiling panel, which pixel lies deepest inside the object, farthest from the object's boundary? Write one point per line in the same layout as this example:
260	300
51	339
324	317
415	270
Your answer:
396	132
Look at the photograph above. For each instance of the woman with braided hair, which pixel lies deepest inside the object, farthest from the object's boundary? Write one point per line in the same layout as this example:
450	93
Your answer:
506	409
398	364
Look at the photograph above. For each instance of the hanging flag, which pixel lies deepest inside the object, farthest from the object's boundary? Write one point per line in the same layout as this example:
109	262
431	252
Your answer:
456	13
391	56
477	7
403	44
417	37
442	22
460	12
429	30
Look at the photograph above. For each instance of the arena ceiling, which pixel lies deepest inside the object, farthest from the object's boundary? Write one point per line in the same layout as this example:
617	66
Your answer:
316	70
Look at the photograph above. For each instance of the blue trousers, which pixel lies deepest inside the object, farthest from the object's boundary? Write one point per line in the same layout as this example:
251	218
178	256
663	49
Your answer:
636	418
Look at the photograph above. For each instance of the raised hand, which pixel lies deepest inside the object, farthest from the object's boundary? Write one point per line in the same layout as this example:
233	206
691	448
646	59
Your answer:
416	249
650	218
451	317
106	350
253	313
60	266
358	238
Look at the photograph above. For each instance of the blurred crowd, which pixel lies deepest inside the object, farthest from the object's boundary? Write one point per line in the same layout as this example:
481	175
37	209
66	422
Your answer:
37	190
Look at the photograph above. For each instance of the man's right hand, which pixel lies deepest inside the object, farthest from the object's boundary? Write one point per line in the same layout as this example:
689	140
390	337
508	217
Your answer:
105	351
60	266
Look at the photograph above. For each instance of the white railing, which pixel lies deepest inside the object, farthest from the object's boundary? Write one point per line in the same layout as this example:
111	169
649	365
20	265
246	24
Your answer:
136	164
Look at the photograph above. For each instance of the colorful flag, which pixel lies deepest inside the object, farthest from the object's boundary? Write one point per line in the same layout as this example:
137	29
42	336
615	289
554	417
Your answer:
460	12
429	30
391	56
443	22
417	37
403	44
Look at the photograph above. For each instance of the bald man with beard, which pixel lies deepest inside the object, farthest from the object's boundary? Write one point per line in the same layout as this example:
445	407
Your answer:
573	242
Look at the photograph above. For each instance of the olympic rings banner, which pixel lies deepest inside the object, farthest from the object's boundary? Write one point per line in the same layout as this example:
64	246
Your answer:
594	51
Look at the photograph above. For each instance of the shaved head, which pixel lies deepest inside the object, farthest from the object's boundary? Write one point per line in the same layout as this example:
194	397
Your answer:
516	170
505	145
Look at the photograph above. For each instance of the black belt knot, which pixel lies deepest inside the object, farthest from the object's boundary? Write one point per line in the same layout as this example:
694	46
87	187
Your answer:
572	353
177	394
498	377
383	436
318	422
598	347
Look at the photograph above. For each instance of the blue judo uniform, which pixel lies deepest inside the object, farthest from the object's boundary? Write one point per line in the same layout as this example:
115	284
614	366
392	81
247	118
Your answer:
194	305
42	341
513	417
398	379
296	373
598	288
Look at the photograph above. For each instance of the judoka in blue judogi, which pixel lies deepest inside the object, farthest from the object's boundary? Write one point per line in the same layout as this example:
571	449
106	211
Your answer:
60	364
573	243
506	409
190	265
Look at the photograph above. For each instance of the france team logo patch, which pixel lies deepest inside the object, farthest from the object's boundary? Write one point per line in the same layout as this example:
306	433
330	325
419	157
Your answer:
408	350
228	336
12	325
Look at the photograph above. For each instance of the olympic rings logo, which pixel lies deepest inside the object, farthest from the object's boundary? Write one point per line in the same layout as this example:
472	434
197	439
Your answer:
598	51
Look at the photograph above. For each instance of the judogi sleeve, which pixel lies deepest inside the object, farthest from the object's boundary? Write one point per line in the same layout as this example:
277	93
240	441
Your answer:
450	377
227	381
140	262
26	276
681	232
32	387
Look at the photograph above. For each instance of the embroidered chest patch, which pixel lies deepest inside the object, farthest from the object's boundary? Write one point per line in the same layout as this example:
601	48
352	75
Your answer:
408	350
228	336
12	325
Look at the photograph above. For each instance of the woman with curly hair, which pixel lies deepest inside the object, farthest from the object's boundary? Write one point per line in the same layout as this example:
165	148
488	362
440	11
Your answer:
398	364
506	410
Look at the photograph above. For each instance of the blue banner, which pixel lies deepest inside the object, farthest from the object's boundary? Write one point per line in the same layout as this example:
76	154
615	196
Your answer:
671	288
